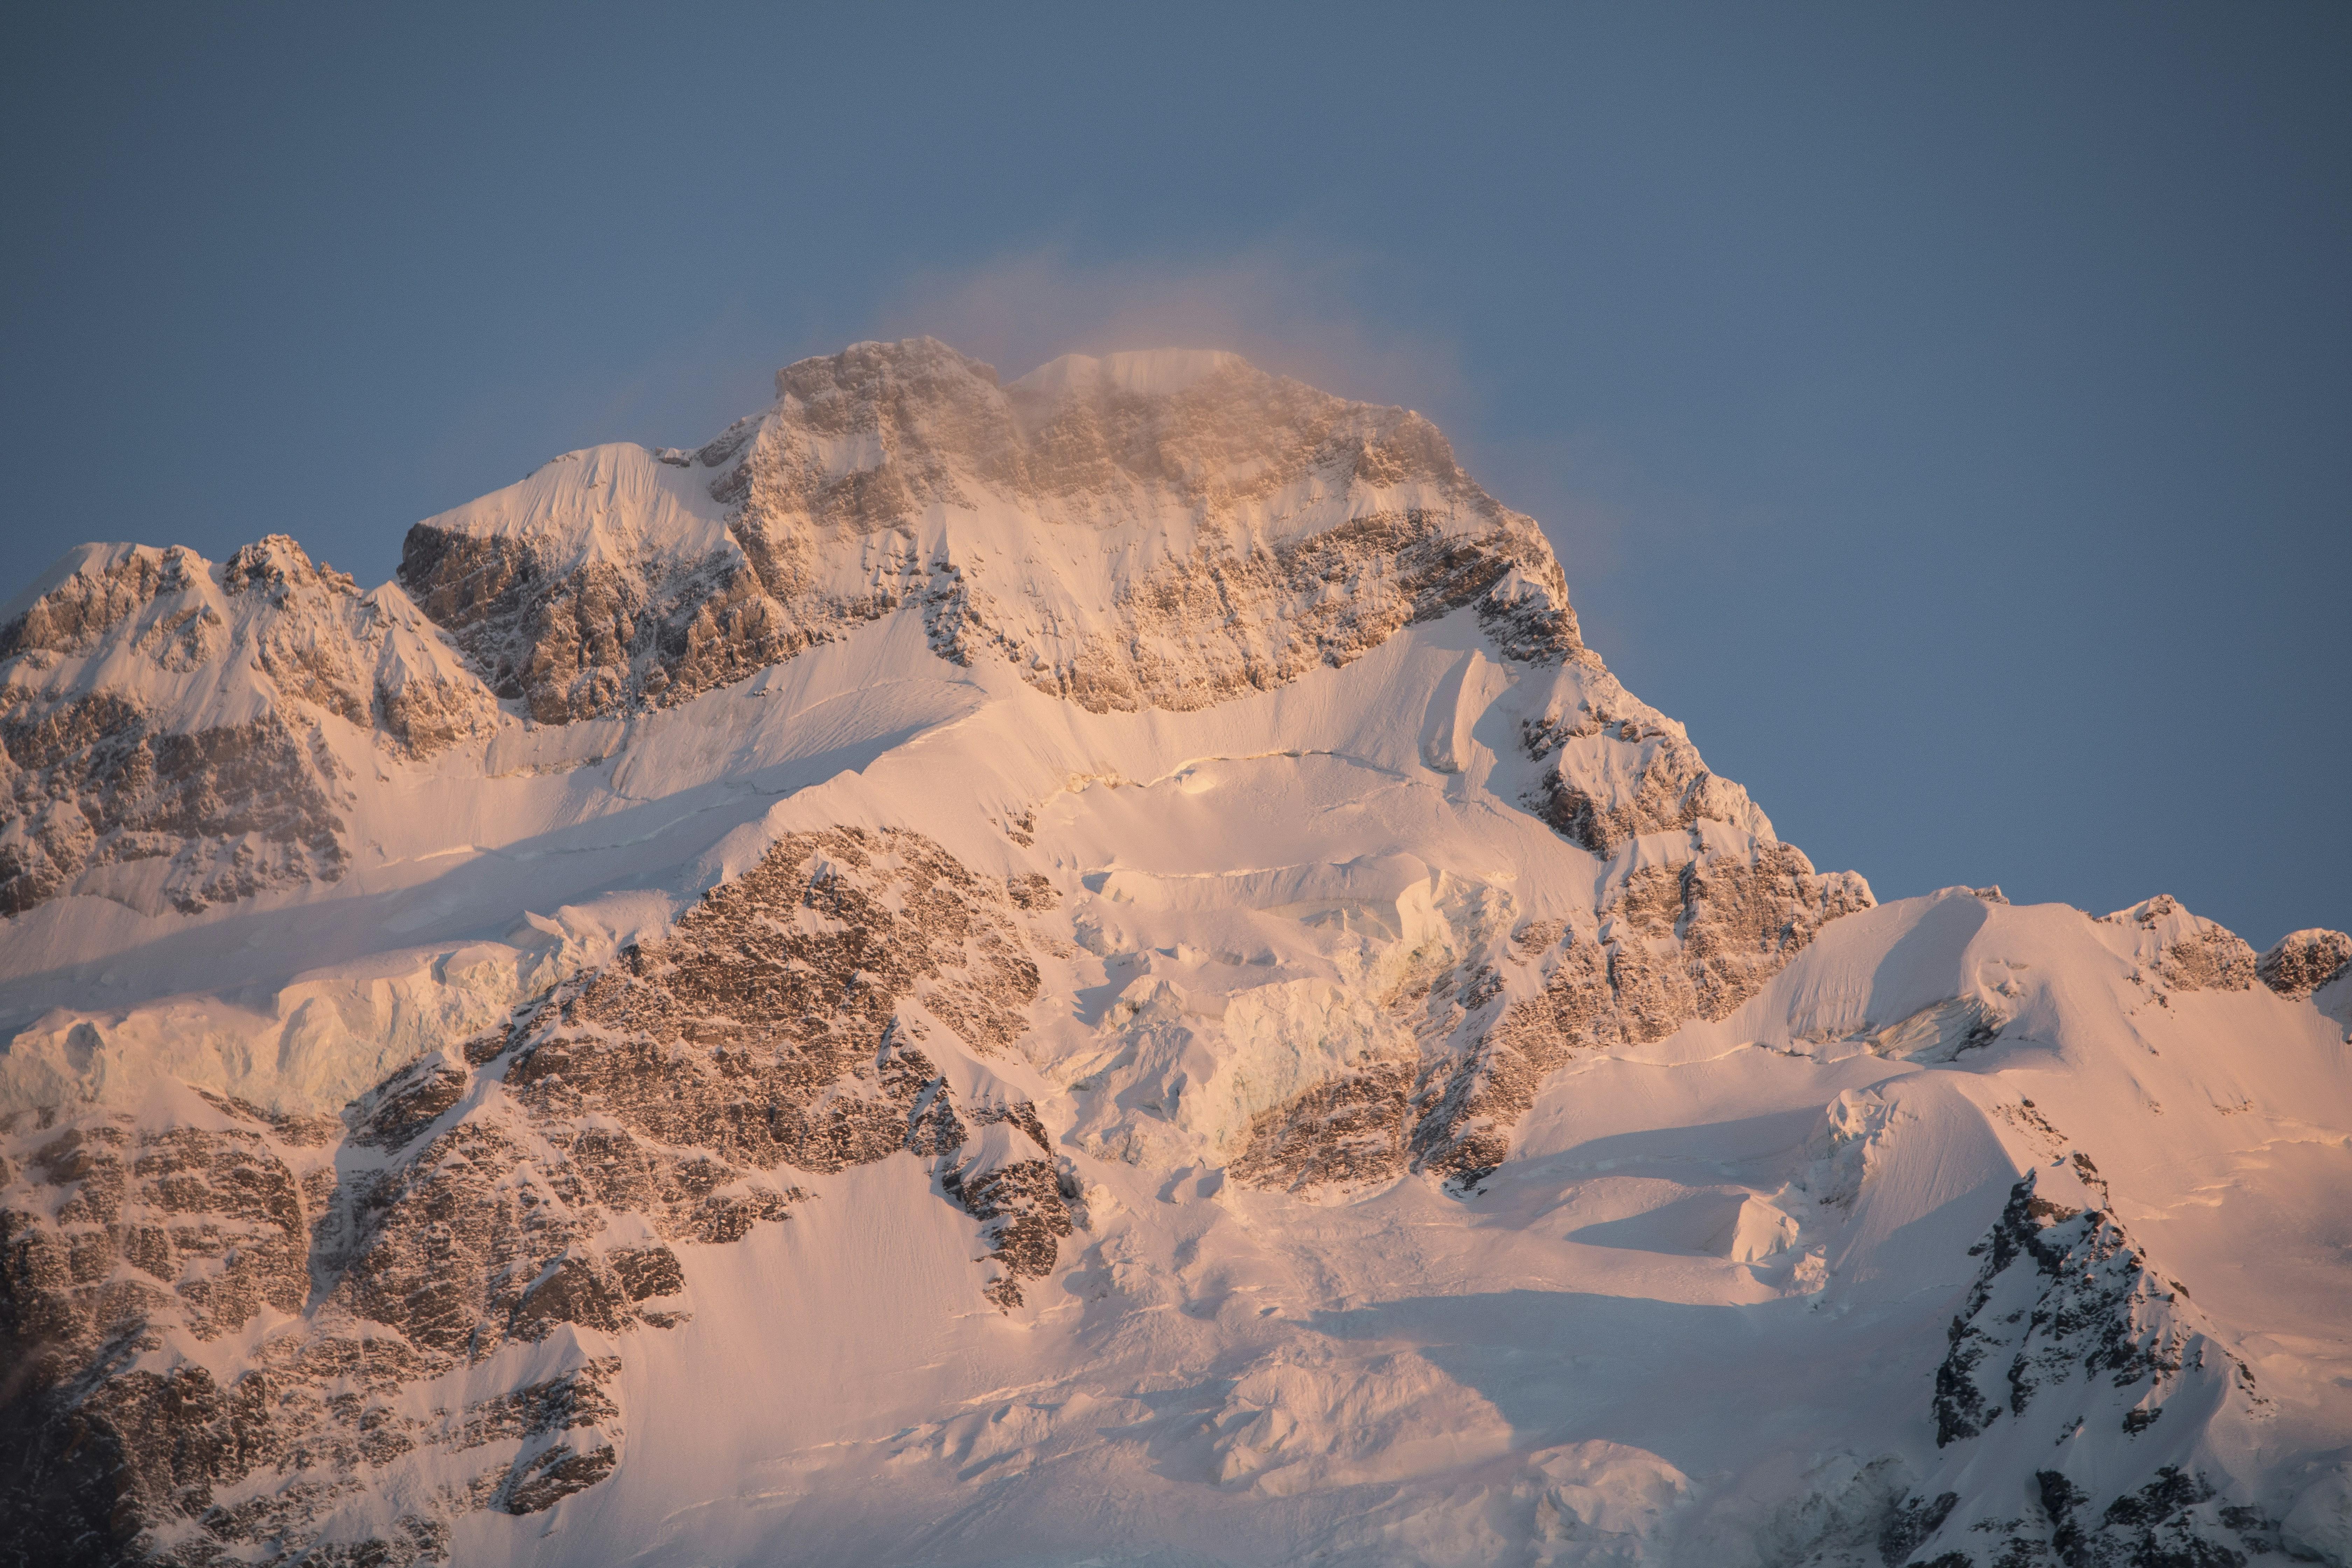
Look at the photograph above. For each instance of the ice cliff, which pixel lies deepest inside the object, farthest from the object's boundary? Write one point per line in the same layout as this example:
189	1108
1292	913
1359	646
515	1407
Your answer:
1079	970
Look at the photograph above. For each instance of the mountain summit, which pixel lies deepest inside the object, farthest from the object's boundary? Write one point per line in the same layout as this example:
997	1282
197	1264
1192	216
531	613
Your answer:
1080	970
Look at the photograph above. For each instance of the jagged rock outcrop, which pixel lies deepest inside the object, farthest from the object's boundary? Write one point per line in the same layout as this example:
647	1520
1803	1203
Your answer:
2183	952
126	1243
778	1026
1006	1178
1675	942
1615	768
826	513
574	632
110	1223
470	1202
2091	1314
162	723
2301	962
1347	1131
1215	531
2070	1330
1143	782
224	814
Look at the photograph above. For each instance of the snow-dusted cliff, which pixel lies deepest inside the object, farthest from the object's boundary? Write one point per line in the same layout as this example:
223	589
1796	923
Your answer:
1080	971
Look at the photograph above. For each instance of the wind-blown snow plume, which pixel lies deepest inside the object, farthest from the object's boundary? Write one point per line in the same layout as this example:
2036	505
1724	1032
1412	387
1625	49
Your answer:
1084	969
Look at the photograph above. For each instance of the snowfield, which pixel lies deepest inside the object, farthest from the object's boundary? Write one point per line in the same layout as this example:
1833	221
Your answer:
1084	972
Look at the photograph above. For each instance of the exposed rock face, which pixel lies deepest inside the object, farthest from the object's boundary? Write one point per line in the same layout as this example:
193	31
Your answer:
2069	1326
1674	942
468	1205
777	1027
1269	529
164	722
1617	769
1350	1130
2186	952
226	812
2302	961
123	1244
1690	939
1280	611
1009	1184
1218	533
1030	853
210	1222
2094	1315
577	639
71	617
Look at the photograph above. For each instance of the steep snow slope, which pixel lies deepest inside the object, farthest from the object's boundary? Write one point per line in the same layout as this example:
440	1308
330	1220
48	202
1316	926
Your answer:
1086	971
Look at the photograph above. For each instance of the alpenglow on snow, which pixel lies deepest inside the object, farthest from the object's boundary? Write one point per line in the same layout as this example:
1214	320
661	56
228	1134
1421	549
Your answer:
1085	970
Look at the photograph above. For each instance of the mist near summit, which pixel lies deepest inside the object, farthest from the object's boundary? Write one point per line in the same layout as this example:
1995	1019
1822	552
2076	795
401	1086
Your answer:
904	787
1124	899
1801	332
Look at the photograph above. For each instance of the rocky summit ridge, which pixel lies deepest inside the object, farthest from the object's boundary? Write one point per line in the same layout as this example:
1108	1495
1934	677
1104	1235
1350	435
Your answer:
1086	969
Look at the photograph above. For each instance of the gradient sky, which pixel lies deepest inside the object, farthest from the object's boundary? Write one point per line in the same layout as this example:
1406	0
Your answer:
1946	412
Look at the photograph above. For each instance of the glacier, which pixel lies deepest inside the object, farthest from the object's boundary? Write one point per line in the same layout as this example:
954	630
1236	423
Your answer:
1079	970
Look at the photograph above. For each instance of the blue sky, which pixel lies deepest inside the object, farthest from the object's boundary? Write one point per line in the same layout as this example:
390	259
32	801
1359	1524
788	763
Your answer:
1945	411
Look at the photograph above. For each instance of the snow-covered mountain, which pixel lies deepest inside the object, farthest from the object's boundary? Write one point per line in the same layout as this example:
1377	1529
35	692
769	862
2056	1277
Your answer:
1086	971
